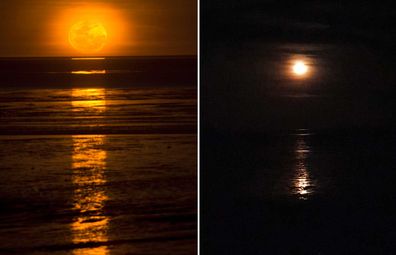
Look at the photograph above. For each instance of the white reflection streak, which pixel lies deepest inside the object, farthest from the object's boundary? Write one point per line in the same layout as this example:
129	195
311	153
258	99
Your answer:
303	185
88	166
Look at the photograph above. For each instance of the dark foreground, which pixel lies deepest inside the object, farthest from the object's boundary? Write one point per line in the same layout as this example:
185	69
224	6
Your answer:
98	194
301	192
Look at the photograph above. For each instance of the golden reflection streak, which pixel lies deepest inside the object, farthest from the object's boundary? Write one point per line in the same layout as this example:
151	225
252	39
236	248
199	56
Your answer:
89	72
88	166
89	100
88	58
303	184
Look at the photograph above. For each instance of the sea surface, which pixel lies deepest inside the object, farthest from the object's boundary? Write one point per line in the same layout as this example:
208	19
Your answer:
301	192
98	156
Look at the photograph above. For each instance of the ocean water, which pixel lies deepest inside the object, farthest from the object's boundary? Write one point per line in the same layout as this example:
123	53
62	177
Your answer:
98	110
95	160
300	192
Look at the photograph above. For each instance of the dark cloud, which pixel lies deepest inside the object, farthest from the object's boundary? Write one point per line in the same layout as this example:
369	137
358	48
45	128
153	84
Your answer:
307	21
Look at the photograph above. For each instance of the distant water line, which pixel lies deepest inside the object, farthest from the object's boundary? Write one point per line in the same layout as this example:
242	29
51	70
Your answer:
89	58
89	72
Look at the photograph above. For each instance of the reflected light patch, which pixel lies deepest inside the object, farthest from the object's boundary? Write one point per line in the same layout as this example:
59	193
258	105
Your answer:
88	176
89	101
302	183
89	72
101	58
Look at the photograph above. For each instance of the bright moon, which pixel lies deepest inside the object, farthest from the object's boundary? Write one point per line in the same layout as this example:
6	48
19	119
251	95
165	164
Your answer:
88	36
300	68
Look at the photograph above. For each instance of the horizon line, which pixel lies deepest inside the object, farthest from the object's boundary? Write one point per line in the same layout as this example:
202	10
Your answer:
102	57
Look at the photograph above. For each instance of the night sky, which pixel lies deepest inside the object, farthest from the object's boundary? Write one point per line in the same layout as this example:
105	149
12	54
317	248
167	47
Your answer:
153	27
245	46
308	21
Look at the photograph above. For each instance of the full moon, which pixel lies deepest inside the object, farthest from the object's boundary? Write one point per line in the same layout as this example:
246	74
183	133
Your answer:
300	68
88	36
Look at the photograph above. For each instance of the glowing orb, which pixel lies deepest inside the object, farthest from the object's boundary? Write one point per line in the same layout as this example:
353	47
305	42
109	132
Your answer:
300	68
87	36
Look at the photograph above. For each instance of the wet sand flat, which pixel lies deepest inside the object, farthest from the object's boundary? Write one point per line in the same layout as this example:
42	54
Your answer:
98	168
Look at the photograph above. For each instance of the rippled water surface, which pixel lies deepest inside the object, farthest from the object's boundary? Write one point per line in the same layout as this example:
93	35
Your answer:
98	171
98	110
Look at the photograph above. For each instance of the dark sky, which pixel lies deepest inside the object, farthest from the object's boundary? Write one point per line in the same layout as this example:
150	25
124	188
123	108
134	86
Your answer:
150	27
302	21
246	45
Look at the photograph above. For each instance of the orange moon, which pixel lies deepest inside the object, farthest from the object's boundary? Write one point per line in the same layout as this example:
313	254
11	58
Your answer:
300	68
88	36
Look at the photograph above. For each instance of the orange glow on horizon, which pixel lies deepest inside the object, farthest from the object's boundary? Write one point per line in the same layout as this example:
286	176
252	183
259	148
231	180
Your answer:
90	30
